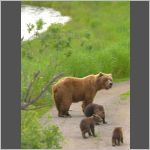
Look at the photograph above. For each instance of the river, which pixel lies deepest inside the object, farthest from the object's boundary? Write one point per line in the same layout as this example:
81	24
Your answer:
31	14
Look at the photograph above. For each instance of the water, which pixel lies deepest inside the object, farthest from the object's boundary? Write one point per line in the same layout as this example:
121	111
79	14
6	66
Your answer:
30	14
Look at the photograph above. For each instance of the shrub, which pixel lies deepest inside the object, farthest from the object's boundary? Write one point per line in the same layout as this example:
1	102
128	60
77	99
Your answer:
34	135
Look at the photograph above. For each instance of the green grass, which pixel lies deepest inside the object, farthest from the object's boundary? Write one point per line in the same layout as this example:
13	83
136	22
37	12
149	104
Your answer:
121	80
97	39
125	95
98	137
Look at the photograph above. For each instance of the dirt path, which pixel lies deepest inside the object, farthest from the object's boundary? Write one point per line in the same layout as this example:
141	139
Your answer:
117	114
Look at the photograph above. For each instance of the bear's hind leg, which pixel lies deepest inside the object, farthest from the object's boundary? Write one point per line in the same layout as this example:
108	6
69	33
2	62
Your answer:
118	141
64	109
58	103
121	139
63	113
83	135
113	141
60	114
89	132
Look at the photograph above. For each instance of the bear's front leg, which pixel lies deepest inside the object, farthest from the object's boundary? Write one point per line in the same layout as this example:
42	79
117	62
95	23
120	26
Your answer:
93	130
104	122
83	106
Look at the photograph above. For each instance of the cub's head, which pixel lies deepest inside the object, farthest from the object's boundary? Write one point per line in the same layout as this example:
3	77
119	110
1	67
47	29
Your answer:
104	81
101	114
97	118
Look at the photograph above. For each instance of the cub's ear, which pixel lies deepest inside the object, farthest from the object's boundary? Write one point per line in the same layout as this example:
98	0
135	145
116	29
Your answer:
94	115
100	74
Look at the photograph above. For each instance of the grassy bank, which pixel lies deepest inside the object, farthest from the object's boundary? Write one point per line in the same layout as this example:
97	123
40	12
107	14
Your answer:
96	39
125	95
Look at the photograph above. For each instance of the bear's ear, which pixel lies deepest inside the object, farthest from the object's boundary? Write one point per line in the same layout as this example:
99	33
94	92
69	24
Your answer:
110	74
95	115
100	74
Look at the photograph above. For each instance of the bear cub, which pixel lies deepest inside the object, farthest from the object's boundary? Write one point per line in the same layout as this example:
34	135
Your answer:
117	136
95	109
87	125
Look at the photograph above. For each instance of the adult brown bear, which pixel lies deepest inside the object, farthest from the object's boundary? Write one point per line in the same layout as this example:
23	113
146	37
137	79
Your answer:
71	89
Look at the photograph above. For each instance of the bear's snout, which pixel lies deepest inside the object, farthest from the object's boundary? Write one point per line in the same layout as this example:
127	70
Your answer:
110	84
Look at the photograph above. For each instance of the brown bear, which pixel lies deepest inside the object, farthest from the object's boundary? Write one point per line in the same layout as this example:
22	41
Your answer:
91	109
87	125
71	89
117	136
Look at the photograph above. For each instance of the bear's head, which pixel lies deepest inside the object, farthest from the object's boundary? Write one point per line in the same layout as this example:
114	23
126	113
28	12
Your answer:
97	118
100	111
104	81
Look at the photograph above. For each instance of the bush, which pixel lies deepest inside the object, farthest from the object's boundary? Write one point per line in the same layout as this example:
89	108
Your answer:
34	135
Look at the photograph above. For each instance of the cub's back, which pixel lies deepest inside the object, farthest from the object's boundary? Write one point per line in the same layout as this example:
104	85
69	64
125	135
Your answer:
117	132
85	123
90	109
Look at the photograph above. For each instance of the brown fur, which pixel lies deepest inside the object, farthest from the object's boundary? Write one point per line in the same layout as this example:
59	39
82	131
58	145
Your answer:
91	109
117	136
70	90
87	125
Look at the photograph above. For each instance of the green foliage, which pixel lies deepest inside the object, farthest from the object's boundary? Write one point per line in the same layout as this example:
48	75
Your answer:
125	95
39	24
35	136
52	137
30	27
